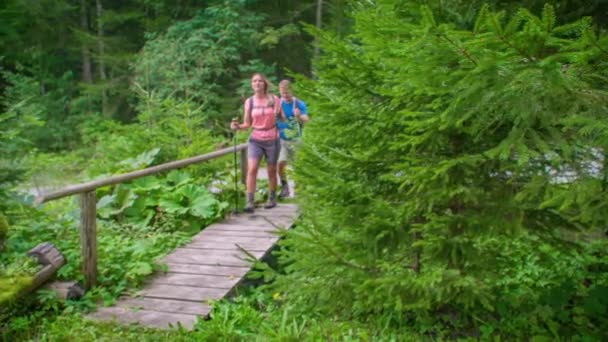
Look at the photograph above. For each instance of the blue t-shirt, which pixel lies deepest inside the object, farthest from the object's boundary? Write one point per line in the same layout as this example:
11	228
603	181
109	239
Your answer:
291	129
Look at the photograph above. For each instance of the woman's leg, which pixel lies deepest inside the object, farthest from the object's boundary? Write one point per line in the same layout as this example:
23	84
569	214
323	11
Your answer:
272	177
255	153
252	173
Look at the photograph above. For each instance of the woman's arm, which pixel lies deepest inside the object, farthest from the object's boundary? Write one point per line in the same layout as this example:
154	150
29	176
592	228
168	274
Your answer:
246	115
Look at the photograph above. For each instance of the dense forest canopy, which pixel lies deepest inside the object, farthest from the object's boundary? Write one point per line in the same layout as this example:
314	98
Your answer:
452	179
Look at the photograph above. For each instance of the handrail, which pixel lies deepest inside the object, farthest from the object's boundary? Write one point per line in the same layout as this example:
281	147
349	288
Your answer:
88	202
92	185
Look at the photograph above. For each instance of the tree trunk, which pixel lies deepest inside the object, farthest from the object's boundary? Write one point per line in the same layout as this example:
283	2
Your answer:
101	63
87	75
318	23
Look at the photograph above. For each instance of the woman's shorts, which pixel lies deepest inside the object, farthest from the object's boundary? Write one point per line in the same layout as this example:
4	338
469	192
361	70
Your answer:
268	148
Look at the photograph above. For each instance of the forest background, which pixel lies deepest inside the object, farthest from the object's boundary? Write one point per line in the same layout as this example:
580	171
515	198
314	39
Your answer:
453	177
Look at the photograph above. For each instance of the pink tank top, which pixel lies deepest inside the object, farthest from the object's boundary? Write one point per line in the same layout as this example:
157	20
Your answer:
263	118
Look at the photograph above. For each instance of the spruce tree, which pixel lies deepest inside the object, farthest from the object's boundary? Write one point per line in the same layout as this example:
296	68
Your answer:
452	178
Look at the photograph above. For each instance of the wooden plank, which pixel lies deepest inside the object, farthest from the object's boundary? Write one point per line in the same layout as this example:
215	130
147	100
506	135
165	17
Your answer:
165	305
215	253
243	221
234	227
234	239
236	233
228	245
280	208
220	282
212	257
269	221
229	271
199	260
191	293
147	318
88	238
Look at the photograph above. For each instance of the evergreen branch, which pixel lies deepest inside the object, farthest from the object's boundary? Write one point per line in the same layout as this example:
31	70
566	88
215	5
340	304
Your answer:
337	256
279	228
520	51
462	50
599	47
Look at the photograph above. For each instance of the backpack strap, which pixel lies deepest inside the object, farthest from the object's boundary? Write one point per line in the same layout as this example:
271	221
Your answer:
293	110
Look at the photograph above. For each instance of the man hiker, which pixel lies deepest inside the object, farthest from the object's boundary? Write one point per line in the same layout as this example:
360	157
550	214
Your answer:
290	131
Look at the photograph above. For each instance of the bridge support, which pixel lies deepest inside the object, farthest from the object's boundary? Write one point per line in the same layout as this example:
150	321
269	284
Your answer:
88	238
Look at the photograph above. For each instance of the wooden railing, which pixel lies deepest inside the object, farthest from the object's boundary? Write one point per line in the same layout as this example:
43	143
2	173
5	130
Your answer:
88	202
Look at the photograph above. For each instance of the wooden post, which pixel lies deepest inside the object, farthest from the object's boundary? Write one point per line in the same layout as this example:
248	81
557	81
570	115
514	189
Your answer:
244	161
88	238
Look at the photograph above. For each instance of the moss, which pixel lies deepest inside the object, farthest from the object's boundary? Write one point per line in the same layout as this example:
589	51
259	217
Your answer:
11	287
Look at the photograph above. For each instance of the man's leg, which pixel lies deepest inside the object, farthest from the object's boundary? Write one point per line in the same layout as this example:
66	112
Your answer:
283	158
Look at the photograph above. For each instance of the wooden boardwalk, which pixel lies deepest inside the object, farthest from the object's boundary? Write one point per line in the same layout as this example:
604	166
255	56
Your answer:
206	269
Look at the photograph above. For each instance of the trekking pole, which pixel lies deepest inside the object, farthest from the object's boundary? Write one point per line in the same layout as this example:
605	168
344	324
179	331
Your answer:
236	183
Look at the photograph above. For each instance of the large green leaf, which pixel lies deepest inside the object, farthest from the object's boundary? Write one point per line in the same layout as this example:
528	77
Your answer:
191	191
204	206
173	205
147	184
142	160
178	178
116	203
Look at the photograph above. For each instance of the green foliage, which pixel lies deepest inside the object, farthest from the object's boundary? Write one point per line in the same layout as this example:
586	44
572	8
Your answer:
189	61
47	121
17	120
446	179
16	278
175	202
253	317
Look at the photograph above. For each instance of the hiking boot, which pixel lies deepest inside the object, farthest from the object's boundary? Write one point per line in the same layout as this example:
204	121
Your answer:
270	203
284	192
249	206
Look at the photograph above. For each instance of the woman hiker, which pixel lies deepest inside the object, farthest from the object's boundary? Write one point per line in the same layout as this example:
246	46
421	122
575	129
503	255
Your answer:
260	112
290	130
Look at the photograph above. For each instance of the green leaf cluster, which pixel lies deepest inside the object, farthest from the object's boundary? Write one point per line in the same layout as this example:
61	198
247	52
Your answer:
176	201
194	58
452	179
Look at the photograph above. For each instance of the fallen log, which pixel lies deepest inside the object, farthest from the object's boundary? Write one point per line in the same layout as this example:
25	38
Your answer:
51	260
66	290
